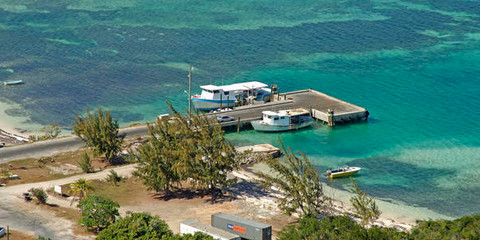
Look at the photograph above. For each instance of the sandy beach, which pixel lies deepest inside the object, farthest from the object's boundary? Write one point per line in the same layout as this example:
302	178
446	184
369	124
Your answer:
15	125
394	214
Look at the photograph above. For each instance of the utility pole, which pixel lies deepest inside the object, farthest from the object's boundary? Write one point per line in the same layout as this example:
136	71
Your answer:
190	91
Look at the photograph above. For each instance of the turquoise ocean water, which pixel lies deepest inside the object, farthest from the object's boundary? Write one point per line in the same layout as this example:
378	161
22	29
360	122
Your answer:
414	64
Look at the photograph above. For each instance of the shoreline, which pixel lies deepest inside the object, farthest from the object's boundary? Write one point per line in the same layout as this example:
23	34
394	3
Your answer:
394	214
9	125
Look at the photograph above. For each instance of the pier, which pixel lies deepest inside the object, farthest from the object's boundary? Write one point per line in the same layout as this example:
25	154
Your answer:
322	107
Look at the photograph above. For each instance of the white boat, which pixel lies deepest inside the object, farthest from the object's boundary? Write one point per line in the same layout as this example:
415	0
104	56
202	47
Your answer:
227	96
343	171
13	82
284	120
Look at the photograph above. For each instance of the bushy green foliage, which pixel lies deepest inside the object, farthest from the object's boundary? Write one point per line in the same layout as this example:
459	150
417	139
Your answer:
141	226
196	236
299	182
98	212
364	205
101	132
463	228
39	194
42	238
113	178
184	148
336	228
86	164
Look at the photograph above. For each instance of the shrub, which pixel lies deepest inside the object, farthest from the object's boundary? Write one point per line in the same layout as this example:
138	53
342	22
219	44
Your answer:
137	226
40	195
98	212
86	164
113	178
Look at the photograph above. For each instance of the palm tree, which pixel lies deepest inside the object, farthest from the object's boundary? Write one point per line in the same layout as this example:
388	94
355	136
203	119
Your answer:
80	189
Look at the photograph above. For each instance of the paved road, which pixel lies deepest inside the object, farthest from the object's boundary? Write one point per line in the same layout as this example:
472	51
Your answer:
51	147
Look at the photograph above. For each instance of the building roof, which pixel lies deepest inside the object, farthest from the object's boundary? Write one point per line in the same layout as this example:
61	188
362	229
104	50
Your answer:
241	220
209	229
236	86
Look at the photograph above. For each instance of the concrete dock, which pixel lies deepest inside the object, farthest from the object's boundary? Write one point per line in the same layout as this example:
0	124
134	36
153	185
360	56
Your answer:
324	108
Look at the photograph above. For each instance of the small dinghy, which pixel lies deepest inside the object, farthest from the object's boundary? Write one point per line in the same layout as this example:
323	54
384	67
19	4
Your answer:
343	171
13	82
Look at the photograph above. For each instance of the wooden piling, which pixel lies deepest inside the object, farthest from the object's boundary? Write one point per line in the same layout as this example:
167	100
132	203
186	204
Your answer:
238	125
221	101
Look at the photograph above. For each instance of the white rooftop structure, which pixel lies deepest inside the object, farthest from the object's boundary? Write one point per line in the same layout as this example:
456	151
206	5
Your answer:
236	86
291	112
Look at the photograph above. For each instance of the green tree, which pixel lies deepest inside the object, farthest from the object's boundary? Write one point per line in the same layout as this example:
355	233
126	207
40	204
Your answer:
141	226
336	228
98	212
363	205
80	188
467	227
101	132
298	181
159	159
186	148
86	164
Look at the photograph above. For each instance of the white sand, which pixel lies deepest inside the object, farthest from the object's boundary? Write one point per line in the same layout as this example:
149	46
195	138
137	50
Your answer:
393	212
13	124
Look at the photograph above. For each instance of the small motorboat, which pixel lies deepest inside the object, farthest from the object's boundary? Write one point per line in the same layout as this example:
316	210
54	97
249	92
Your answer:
13	82
342	172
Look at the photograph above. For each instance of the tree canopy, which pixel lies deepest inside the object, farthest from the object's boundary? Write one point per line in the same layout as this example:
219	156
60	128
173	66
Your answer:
140	226
298	181
101	132
336	228
184	148
364	205
98	212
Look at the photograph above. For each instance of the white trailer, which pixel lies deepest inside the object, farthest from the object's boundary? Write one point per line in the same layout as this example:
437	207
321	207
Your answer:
191	226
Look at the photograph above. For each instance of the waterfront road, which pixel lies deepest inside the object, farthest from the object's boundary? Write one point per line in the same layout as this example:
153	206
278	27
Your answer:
51	147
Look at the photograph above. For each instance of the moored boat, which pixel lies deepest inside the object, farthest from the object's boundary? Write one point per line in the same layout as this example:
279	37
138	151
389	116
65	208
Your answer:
227	96
13	82
284	120
343	171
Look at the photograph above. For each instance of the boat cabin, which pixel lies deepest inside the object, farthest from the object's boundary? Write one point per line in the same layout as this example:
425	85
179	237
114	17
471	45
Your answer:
285	117
237	91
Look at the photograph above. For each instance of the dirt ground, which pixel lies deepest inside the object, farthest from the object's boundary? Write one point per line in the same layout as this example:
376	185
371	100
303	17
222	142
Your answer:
50	168
186	205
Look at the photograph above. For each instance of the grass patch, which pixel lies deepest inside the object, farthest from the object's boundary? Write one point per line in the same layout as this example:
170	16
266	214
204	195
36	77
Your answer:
125	193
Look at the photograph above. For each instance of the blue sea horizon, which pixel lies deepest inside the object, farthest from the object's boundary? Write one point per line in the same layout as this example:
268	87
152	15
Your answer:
415	66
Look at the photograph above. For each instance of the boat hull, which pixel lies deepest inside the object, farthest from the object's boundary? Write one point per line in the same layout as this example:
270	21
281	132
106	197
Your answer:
13	82
344	174
259	126
207	104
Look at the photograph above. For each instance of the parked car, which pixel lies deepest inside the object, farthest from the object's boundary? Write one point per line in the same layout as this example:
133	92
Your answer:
2	232
225	118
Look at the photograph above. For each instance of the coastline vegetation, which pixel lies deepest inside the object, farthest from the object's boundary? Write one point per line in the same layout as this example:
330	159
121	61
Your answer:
186	149
299	182
100	132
